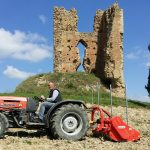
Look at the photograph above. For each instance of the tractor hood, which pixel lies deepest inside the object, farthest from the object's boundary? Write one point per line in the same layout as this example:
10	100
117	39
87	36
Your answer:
10	102
13	98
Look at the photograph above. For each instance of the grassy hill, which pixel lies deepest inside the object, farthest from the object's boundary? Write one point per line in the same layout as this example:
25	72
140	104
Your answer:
72	85
79	86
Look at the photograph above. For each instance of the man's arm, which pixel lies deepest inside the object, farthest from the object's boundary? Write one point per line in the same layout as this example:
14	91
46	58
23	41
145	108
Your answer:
54	96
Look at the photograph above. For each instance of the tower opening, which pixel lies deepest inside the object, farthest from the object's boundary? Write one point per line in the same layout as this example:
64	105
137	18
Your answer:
82	48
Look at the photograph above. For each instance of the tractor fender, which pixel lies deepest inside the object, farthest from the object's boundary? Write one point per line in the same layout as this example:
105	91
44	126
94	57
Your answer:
59	104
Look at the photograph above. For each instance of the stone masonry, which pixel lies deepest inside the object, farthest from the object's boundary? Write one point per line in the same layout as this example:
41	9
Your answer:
103	54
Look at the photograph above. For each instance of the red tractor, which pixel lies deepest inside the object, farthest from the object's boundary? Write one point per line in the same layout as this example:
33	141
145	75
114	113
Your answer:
64	120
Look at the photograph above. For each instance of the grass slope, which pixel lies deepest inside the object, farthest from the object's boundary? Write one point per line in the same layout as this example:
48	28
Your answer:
77	86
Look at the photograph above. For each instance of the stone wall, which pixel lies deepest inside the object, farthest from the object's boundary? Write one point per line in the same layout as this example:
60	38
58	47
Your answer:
103	54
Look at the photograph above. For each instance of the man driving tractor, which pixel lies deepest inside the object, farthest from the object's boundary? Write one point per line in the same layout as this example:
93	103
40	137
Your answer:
54	97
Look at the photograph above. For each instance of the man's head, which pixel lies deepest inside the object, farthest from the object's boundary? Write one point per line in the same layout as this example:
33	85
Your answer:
51	85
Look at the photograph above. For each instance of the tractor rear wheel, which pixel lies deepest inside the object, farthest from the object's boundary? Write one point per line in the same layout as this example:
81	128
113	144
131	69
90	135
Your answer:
69	122
3	125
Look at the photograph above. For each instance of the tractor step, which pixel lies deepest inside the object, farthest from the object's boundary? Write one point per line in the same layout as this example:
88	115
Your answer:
35	124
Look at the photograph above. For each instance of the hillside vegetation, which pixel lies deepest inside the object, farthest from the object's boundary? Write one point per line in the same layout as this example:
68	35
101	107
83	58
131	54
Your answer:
79	86
71	85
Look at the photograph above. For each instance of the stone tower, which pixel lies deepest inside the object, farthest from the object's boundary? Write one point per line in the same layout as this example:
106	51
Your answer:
103	54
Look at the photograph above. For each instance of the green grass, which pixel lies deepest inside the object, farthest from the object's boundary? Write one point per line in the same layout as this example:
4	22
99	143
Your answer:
104	99
76	86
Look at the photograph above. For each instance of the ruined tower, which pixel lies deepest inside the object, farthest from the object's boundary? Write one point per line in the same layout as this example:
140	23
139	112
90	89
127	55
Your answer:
103	54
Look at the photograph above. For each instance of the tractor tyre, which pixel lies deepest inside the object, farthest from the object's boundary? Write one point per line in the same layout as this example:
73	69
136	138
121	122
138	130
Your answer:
69	122
3	125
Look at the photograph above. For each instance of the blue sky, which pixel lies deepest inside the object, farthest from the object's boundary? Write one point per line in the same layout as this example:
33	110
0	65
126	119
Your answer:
26	39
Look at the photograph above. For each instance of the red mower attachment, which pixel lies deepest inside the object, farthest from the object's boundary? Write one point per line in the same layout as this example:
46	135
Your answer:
114	127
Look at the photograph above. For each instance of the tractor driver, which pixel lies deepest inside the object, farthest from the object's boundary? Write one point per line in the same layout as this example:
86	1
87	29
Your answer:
54	97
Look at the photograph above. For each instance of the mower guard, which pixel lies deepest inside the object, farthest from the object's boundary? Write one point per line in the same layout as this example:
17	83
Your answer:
114	127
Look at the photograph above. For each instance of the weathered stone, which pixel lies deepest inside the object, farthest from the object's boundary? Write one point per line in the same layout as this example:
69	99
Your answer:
103	47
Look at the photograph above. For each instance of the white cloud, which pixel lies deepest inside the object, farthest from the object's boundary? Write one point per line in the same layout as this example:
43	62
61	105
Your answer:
13	72
136	53
43	18
148	64
40	70
147	56
23	46
131	56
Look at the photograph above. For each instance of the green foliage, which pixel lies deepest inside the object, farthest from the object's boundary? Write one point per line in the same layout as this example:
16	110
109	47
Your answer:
70	85
40	75
148	84
27	142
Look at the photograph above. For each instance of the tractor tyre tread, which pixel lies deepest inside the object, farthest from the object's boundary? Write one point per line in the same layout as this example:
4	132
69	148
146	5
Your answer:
55	123
4	124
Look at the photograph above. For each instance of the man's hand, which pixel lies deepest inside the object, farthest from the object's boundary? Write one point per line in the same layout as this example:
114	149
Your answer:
42	97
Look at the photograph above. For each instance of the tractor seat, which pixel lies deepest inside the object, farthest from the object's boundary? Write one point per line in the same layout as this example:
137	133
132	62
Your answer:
32	105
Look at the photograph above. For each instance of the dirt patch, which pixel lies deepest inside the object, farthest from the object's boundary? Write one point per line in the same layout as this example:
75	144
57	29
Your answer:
30	139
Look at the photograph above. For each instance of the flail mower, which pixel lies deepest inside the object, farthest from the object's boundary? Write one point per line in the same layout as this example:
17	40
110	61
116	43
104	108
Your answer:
111	126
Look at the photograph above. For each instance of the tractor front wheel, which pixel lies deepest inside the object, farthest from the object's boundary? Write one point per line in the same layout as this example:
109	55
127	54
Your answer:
3	125
69	122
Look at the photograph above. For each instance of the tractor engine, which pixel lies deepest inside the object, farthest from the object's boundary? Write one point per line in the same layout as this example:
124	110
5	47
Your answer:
14	108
